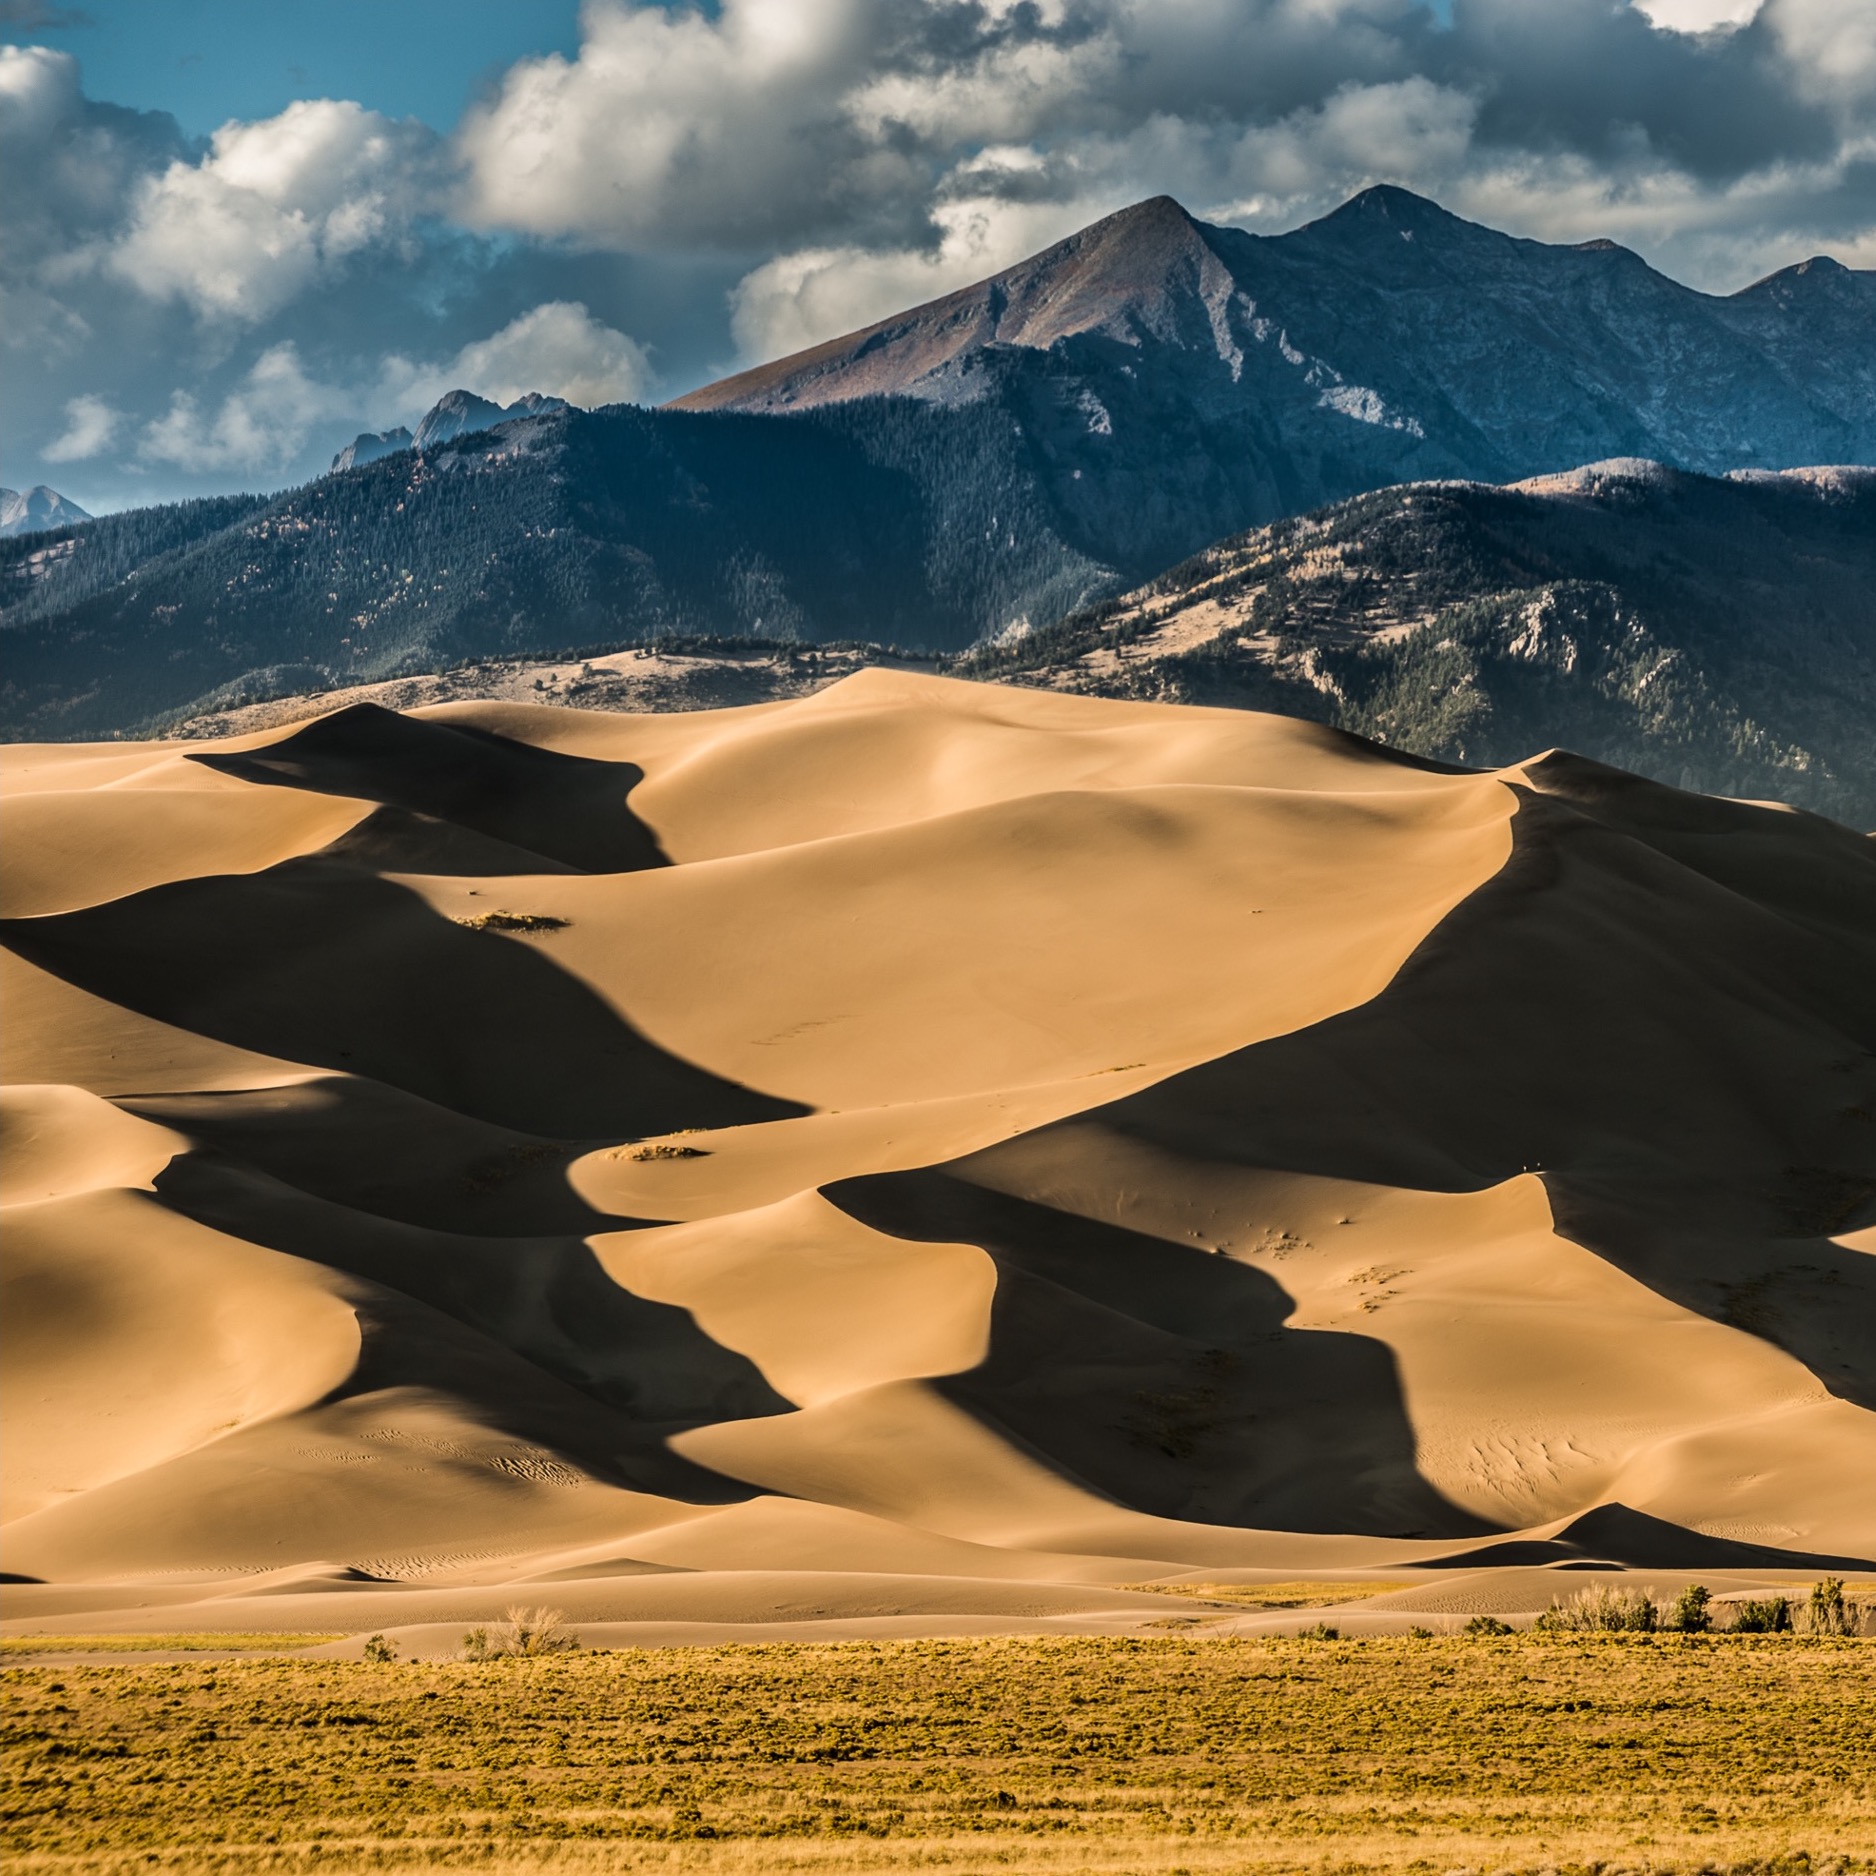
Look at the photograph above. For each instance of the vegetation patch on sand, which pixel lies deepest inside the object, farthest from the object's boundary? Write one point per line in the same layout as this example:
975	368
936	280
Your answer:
1631	1751
271	1641
1312	1593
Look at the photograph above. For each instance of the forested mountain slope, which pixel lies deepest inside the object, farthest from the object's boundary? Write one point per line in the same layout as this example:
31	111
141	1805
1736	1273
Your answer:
1719	634
969	470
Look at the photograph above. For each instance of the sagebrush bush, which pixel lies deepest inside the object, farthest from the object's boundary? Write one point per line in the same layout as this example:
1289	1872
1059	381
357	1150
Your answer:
1826	1612
525	1632
1602	1608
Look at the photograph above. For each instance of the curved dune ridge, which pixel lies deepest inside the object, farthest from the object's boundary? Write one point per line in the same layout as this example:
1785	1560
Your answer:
924	1148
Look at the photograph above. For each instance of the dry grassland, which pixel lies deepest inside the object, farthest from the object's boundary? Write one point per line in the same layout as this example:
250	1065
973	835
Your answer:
1163	1755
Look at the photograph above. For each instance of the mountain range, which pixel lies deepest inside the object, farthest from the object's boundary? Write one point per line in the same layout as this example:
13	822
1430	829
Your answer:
965	473
455	413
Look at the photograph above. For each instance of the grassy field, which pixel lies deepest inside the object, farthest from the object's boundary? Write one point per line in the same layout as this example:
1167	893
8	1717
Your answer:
205	1642
1482	1755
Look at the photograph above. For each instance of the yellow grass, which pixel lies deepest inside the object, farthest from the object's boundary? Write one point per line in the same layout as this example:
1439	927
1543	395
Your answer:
271	1641
1308	1594
1525	1754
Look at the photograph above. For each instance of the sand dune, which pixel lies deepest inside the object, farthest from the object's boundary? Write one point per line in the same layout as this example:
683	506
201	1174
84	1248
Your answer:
919	1151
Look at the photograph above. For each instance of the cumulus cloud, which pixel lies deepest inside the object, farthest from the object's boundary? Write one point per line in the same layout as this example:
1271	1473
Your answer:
1699	16
558	348
90	424
755	175
1830	44
799	299
260	426
250	226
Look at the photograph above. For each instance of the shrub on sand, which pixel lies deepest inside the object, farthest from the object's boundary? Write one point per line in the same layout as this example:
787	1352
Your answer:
524	1632
1826	1612
1762	1615
1690	1615
1486	1625
1601	1609
378	1649
1319	1631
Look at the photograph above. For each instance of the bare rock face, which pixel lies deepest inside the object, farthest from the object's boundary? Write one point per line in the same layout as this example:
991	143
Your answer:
456	413
368	446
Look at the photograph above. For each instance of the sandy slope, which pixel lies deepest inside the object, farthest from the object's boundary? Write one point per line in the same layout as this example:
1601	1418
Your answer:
919	1134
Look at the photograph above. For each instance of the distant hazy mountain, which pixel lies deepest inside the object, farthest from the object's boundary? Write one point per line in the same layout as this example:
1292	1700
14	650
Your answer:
36	509
973	468
454	414
368	446
1719	634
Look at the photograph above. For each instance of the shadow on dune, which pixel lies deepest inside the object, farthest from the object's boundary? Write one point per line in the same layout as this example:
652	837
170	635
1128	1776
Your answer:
318	963
1619	1534
1165	1377
571	811
646	1368
1666	1006
378	1150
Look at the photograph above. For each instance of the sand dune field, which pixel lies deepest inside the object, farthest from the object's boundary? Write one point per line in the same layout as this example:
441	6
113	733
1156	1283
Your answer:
918	1158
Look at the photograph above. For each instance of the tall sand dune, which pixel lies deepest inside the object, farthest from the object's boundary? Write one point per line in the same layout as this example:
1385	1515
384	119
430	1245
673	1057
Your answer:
989	1149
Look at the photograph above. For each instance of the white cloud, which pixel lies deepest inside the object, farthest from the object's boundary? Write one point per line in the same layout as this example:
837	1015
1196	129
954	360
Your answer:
261	426
673	126
90	424
799	299
558	348
273	206
1412	132
1831	44
326	268
38	87
1699	16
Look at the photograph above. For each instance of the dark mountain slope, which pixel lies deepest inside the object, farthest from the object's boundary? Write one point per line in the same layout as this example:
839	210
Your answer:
966	470
890	521
1387	341
1715	633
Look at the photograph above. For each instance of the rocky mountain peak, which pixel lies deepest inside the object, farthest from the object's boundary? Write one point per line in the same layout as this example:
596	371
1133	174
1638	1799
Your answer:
456	413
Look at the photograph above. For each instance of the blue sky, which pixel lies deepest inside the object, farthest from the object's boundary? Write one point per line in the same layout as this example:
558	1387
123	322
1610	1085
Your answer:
236	232
205	61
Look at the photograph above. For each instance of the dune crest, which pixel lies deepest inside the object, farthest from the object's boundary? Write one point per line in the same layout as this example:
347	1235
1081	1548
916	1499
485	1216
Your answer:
925	1133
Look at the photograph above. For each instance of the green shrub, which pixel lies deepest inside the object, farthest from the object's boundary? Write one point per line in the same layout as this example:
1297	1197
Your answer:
1319	1631
1486	1625
1826	1612
378	1649
1767	1615
1689	1614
